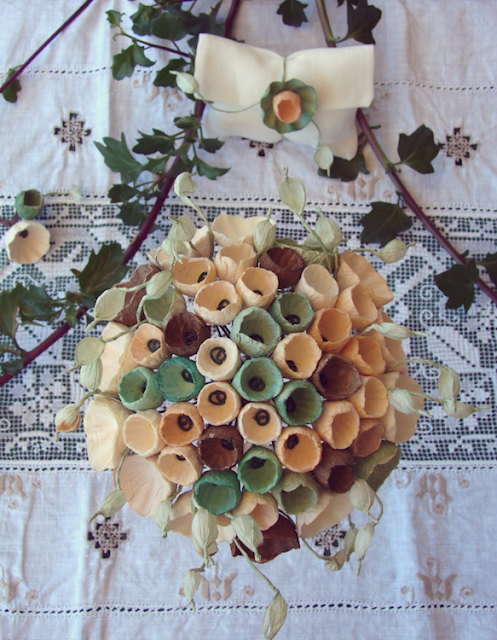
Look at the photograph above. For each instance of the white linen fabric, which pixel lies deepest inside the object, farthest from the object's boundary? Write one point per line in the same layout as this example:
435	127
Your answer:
430	572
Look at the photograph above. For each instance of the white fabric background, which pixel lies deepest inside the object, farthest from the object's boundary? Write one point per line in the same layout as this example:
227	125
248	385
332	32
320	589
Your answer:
430	572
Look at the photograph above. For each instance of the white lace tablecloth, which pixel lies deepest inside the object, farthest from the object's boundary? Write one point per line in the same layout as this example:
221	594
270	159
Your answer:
430	572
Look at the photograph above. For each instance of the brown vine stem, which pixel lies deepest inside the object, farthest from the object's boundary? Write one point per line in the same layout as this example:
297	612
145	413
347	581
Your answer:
71	18
136	243
395	178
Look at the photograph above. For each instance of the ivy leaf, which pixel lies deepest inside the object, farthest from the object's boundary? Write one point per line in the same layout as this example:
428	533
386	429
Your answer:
164	77
131	213
114	18
292	12
346	170
10	93
458	284
384	222
12	367
122	192
123	63
211	145
418	150
70	317
102	270
119	159
187	122
143	19
490	264
156	165
169	27
159	142
37	305
9	306
361	21
204	23
208	171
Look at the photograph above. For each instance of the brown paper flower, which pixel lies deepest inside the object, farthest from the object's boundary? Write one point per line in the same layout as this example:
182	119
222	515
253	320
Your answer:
298	449
220	447
335	472
184	333
279	538
141	274
331	329
285	263
338	424
369	438
336	378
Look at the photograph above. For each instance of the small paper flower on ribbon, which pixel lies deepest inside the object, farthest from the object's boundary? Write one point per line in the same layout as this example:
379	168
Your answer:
289	106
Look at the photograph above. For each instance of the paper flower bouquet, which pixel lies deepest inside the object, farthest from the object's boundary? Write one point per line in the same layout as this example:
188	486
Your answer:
256	397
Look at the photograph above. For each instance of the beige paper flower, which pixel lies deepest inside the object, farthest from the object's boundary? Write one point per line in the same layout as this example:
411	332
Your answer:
231	261
141	433
181	515
217	303
148	347
329	510
230	230
331	329
365	353
356	269
143	485
104	425
261	506
257	287
318	286
193	274
399	427
358	303
27	241
180	465
218	359
391	350
259	423
298	448
116	358
371	400
338	424
297	356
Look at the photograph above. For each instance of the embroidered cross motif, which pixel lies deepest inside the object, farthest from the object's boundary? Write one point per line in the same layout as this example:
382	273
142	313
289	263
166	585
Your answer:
72	131
261	147
458	146
107	536
329	540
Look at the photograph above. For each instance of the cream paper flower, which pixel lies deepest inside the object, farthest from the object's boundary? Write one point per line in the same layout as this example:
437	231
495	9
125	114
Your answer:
341	77
27	241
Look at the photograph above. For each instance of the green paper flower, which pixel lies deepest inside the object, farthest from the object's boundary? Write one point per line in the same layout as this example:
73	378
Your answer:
288	106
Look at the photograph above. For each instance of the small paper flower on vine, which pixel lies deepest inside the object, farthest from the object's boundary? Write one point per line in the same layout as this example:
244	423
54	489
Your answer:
289	106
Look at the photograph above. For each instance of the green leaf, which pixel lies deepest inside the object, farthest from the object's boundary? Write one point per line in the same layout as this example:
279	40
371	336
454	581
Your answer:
12	367
292	12
211	145
169	27
122	192
123	63
346	170
156	165
181	165
187	122
114	18
208	171
9	306
384	222
490	264
143	19
131	213
37	305
70	317
458	284
361	21
418	150
157	143
10	93
164	77
376	467
119	159
203	23
102	270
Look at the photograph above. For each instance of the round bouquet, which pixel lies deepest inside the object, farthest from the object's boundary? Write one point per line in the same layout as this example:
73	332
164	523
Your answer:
254	398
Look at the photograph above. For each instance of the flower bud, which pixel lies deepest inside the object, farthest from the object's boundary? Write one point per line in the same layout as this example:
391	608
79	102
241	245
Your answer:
448	383
191	584
186	82
204	532
394	331
362	496
88	350
349	540
163	517
275	616
393	251
111	504
323	157
336	562
248	531
264	236
68	419
460	410
91	375
183	229
363	540
158	284
110	303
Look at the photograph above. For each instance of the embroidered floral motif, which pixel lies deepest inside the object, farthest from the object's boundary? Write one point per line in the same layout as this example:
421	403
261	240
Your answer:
72	131
436	488
216	588
408	592
262	147
107	536
436	587
329	540
362	188
9	591
12	488
458	146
